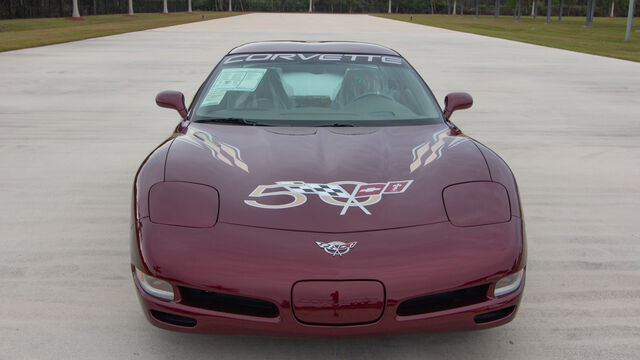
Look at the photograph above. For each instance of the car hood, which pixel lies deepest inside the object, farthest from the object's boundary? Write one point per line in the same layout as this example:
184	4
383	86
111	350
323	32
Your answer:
326	179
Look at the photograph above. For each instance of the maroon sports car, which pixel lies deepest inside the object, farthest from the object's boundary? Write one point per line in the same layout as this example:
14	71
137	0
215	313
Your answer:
318	189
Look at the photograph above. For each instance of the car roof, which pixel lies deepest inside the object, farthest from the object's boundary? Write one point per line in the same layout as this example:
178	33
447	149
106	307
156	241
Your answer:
340	47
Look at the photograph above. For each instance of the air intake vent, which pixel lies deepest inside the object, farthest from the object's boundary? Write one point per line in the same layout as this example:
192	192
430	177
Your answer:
173	319
443	301
493	315
228	303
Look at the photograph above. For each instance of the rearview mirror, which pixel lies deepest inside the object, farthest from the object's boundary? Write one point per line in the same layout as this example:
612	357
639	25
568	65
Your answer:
456	101
173	100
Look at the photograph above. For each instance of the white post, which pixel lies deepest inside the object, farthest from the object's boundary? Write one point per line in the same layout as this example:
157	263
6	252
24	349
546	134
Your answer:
166	9
189	7
131	7
627	36
454	7
389	6
230	6
310	5
76	13
612	7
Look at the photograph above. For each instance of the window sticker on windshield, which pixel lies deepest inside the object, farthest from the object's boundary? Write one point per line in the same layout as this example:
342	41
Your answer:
238	79
233	80
213	97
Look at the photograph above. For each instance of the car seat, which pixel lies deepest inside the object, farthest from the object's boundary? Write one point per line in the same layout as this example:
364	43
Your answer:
356	83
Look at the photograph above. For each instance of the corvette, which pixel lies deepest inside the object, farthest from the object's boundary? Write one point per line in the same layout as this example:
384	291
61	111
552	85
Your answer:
317	189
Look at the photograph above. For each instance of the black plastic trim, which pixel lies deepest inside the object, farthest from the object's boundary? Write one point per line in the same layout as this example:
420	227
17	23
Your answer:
227	303
173	319
443	301
494	315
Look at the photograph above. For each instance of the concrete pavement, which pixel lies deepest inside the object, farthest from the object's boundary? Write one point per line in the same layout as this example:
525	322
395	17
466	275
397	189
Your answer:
78	118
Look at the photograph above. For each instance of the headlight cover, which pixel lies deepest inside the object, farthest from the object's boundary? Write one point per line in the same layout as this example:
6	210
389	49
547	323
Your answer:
154	286
476	203
183	204
508	284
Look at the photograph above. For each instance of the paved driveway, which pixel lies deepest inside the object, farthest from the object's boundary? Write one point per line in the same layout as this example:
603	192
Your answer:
78	118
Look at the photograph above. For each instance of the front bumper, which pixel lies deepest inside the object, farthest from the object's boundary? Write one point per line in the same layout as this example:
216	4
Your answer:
247	264
206	321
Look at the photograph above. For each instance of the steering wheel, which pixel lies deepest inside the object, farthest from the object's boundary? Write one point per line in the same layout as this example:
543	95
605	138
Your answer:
362	96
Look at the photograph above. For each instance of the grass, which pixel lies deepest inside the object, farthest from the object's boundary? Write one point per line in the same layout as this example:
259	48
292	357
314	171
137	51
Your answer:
25	33
605	36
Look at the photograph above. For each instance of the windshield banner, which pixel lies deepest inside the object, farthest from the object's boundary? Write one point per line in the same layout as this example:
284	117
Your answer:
308	57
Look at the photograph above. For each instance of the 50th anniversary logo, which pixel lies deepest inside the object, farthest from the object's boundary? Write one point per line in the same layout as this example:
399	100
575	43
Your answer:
362	195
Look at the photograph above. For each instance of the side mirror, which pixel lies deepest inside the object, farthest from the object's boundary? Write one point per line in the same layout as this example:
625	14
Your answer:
173	100
456	101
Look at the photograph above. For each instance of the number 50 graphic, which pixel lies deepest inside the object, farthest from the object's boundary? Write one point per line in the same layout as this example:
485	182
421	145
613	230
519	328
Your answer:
332	193
298	198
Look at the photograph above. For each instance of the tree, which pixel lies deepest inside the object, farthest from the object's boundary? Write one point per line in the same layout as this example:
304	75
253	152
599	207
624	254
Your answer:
189	9
548	11
166	9
627	36
130	7
613	6
76	13
560	10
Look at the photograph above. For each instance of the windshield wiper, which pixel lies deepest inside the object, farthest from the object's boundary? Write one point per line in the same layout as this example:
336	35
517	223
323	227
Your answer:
232	120
336	125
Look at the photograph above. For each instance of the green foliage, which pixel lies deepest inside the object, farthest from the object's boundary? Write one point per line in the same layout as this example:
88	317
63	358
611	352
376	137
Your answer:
59	8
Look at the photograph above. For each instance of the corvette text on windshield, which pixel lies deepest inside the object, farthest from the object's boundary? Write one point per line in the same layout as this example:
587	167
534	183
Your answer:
355	58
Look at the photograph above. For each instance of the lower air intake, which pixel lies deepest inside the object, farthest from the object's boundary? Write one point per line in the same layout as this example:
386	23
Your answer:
232	304
443	301
173	319
493	315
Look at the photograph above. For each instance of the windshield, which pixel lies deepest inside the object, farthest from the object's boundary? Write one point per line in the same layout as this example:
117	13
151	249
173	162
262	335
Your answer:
307	89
